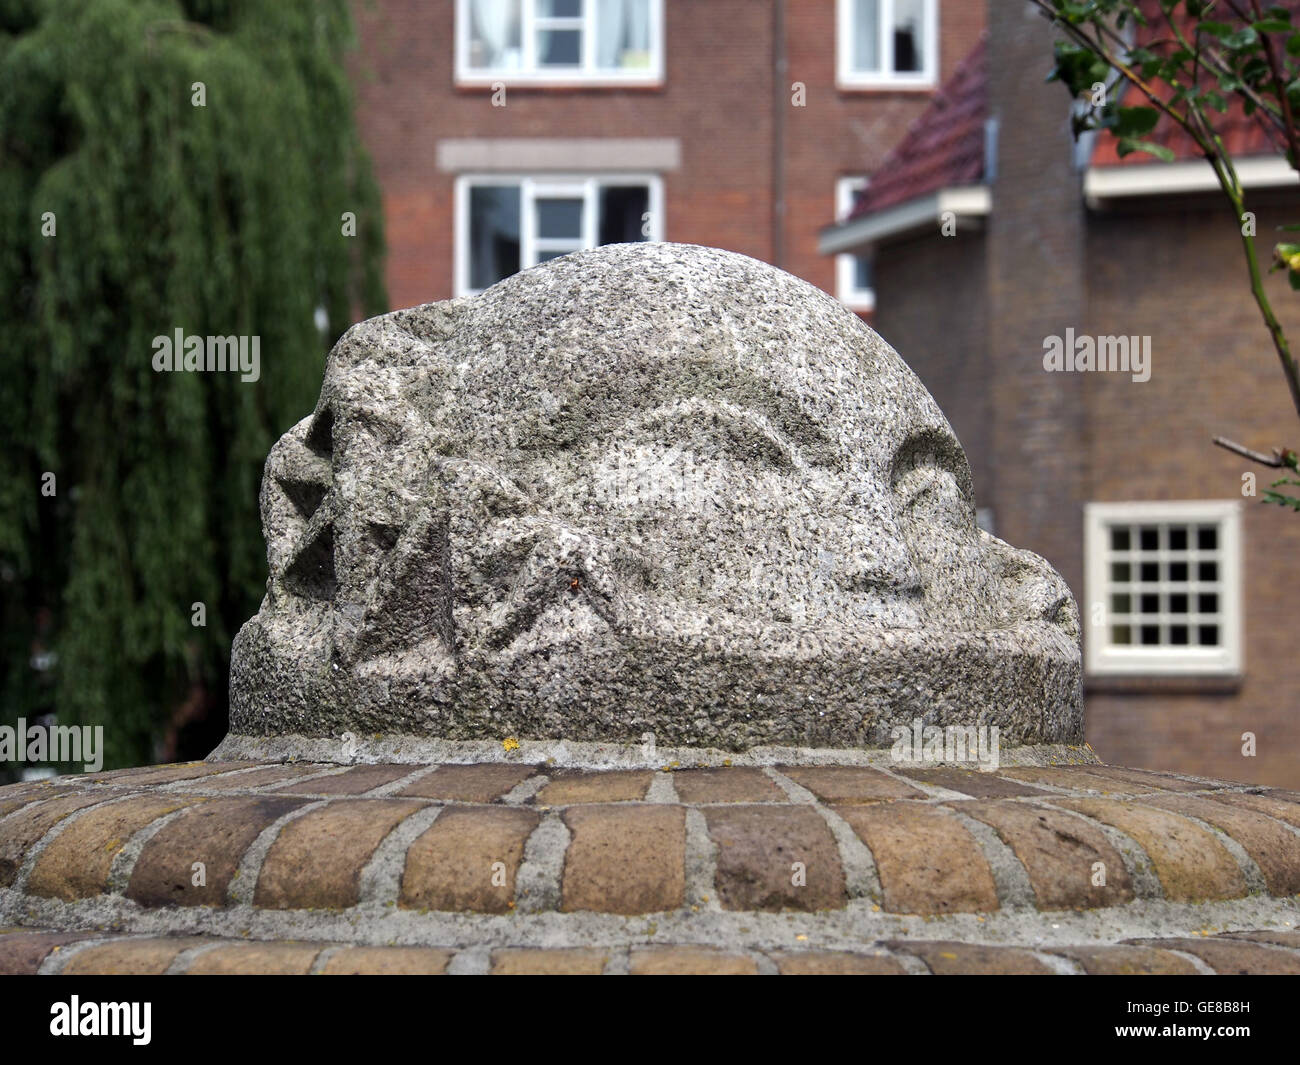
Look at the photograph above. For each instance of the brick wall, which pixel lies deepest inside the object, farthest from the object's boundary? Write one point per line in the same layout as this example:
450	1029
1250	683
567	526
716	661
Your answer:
845	133
1176	273
1043	444
1036	290
718	98
1040	444
944	337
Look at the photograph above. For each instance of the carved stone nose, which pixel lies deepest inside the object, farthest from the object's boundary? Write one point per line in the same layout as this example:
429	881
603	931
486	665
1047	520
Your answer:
872	555
872	567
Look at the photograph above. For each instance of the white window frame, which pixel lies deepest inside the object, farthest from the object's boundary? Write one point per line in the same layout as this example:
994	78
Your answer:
846	287
529	73
886	77
1107	659
540	186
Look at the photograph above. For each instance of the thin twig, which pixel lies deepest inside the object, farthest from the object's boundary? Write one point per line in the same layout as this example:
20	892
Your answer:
1277	460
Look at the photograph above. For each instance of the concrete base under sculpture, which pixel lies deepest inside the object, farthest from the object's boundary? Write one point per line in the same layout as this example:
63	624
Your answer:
517	866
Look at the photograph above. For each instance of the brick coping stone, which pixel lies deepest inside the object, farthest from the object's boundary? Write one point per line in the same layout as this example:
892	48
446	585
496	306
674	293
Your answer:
517	865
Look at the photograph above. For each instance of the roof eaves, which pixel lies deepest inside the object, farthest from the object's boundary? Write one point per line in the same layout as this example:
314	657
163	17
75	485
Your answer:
963	202
1104	184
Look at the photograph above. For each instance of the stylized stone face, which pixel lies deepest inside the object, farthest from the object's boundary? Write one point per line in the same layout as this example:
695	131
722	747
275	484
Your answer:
646	488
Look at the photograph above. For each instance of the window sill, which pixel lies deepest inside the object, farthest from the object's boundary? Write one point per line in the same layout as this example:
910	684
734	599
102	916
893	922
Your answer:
885	85
859	305
477	83
1166	684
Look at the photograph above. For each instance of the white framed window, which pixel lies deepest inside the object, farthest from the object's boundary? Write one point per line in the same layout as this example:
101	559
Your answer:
507	223
887	43
1163	588
540	42
854	272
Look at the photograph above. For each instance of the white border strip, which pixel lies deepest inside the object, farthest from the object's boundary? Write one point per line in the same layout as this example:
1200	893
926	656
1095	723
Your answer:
1102	183
964	201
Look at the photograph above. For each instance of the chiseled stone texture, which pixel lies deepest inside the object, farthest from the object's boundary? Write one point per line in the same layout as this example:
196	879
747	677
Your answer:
470	868
646	488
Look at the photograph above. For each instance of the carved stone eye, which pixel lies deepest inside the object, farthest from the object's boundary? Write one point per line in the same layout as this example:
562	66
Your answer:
931	483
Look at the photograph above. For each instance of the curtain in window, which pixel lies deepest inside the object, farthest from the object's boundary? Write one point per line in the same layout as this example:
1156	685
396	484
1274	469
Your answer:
622	33
609	32
638	25
866	35
496	24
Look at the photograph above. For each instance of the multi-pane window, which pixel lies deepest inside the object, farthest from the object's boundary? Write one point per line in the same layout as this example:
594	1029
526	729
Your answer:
854	272
543	41
507	224
887	42
1162	587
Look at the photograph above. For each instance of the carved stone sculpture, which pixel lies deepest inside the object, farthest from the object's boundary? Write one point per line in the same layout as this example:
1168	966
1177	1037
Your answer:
648	488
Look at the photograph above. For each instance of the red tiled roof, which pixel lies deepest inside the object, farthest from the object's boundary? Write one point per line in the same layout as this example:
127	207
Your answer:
942	149
1243	136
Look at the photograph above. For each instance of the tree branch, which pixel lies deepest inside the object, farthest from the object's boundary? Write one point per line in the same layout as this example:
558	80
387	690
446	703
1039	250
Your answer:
1277	460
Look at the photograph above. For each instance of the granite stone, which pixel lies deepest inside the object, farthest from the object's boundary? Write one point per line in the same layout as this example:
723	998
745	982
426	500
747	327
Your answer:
646	488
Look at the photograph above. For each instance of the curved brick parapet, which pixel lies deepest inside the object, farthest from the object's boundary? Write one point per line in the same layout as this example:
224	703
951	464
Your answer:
500	867
23	951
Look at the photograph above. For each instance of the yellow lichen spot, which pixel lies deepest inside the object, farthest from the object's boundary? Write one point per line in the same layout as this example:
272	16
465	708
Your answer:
801	937
947	954
726	761
510	743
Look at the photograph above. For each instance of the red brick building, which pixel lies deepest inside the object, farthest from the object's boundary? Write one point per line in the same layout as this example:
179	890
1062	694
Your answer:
999	244
507	131
504	132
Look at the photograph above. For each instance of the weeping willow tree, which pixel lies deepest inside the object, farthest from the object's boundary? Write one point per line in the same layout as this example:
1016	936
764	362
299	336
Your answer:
164	165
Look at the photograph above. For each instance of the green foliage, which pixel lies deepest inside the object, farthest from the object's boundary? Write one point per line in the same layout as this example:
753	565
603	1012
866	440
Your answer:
1198	64
219	219
1289	460
1287	257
